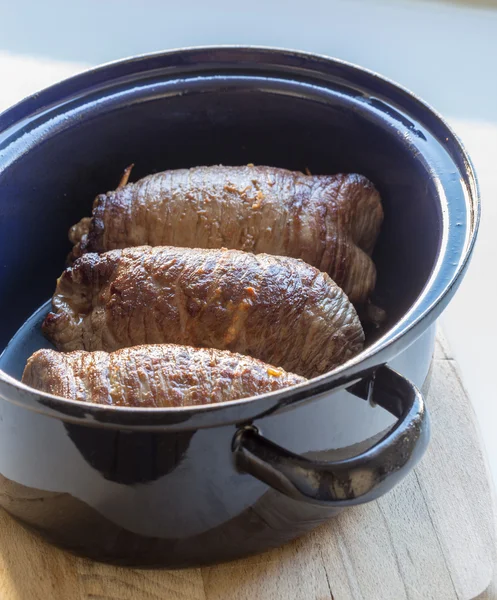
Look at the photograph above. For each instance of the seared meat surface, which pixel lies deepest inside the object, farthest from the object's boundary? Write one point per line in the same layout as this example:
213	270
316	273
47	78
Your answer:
329	221
277	309
153	376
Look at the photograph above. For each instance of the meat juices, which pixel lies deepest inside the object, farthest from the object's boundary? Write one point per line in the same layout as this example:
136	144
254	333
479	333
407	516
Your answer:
329	221
153	376
277	309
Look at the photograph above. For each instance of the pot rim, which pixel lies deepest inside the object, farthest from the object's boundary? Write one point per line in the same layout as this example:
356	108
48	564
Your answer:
421	313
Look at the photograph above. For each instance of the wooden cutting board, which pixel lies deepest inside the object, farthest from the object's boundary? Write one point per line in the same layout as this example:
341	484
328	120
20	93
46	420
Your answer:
432	537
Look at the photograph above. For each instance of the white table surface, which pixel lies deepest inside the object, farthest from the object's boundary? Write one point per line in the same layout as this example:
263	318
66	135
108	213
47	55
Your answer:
447	54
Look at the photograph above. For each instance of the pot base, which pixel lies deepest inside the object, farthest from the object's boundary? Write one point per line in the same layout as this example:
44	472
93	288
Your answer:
73	525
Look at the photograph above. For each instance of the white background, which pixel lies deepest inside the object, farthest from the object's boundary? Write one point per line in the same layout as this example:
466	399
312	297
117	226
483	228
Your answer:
445	53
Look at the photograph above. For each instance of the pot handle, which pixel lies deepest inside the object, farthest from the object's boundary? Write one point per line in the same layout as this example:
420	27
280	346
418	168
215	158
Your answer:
352	480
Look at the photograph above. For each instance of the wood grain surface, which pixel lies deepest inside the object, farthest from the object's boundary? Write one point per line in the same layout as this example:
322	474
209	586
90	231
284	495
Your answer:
432	537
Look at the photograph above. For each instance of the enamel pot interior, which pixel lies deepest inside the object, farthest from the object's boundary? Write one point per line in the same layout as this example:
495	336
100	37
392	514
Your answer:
60	148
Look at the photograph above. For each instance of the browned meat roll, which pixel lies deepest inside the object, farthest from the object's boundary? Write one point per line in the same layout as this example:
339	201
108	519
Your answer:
277	309
330	222
154	376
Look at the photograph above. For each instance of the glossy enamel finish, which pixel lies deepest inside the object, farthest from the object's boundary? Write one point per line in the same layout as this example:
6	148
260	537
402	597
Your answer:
161	486
176	499
354	480
236	105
